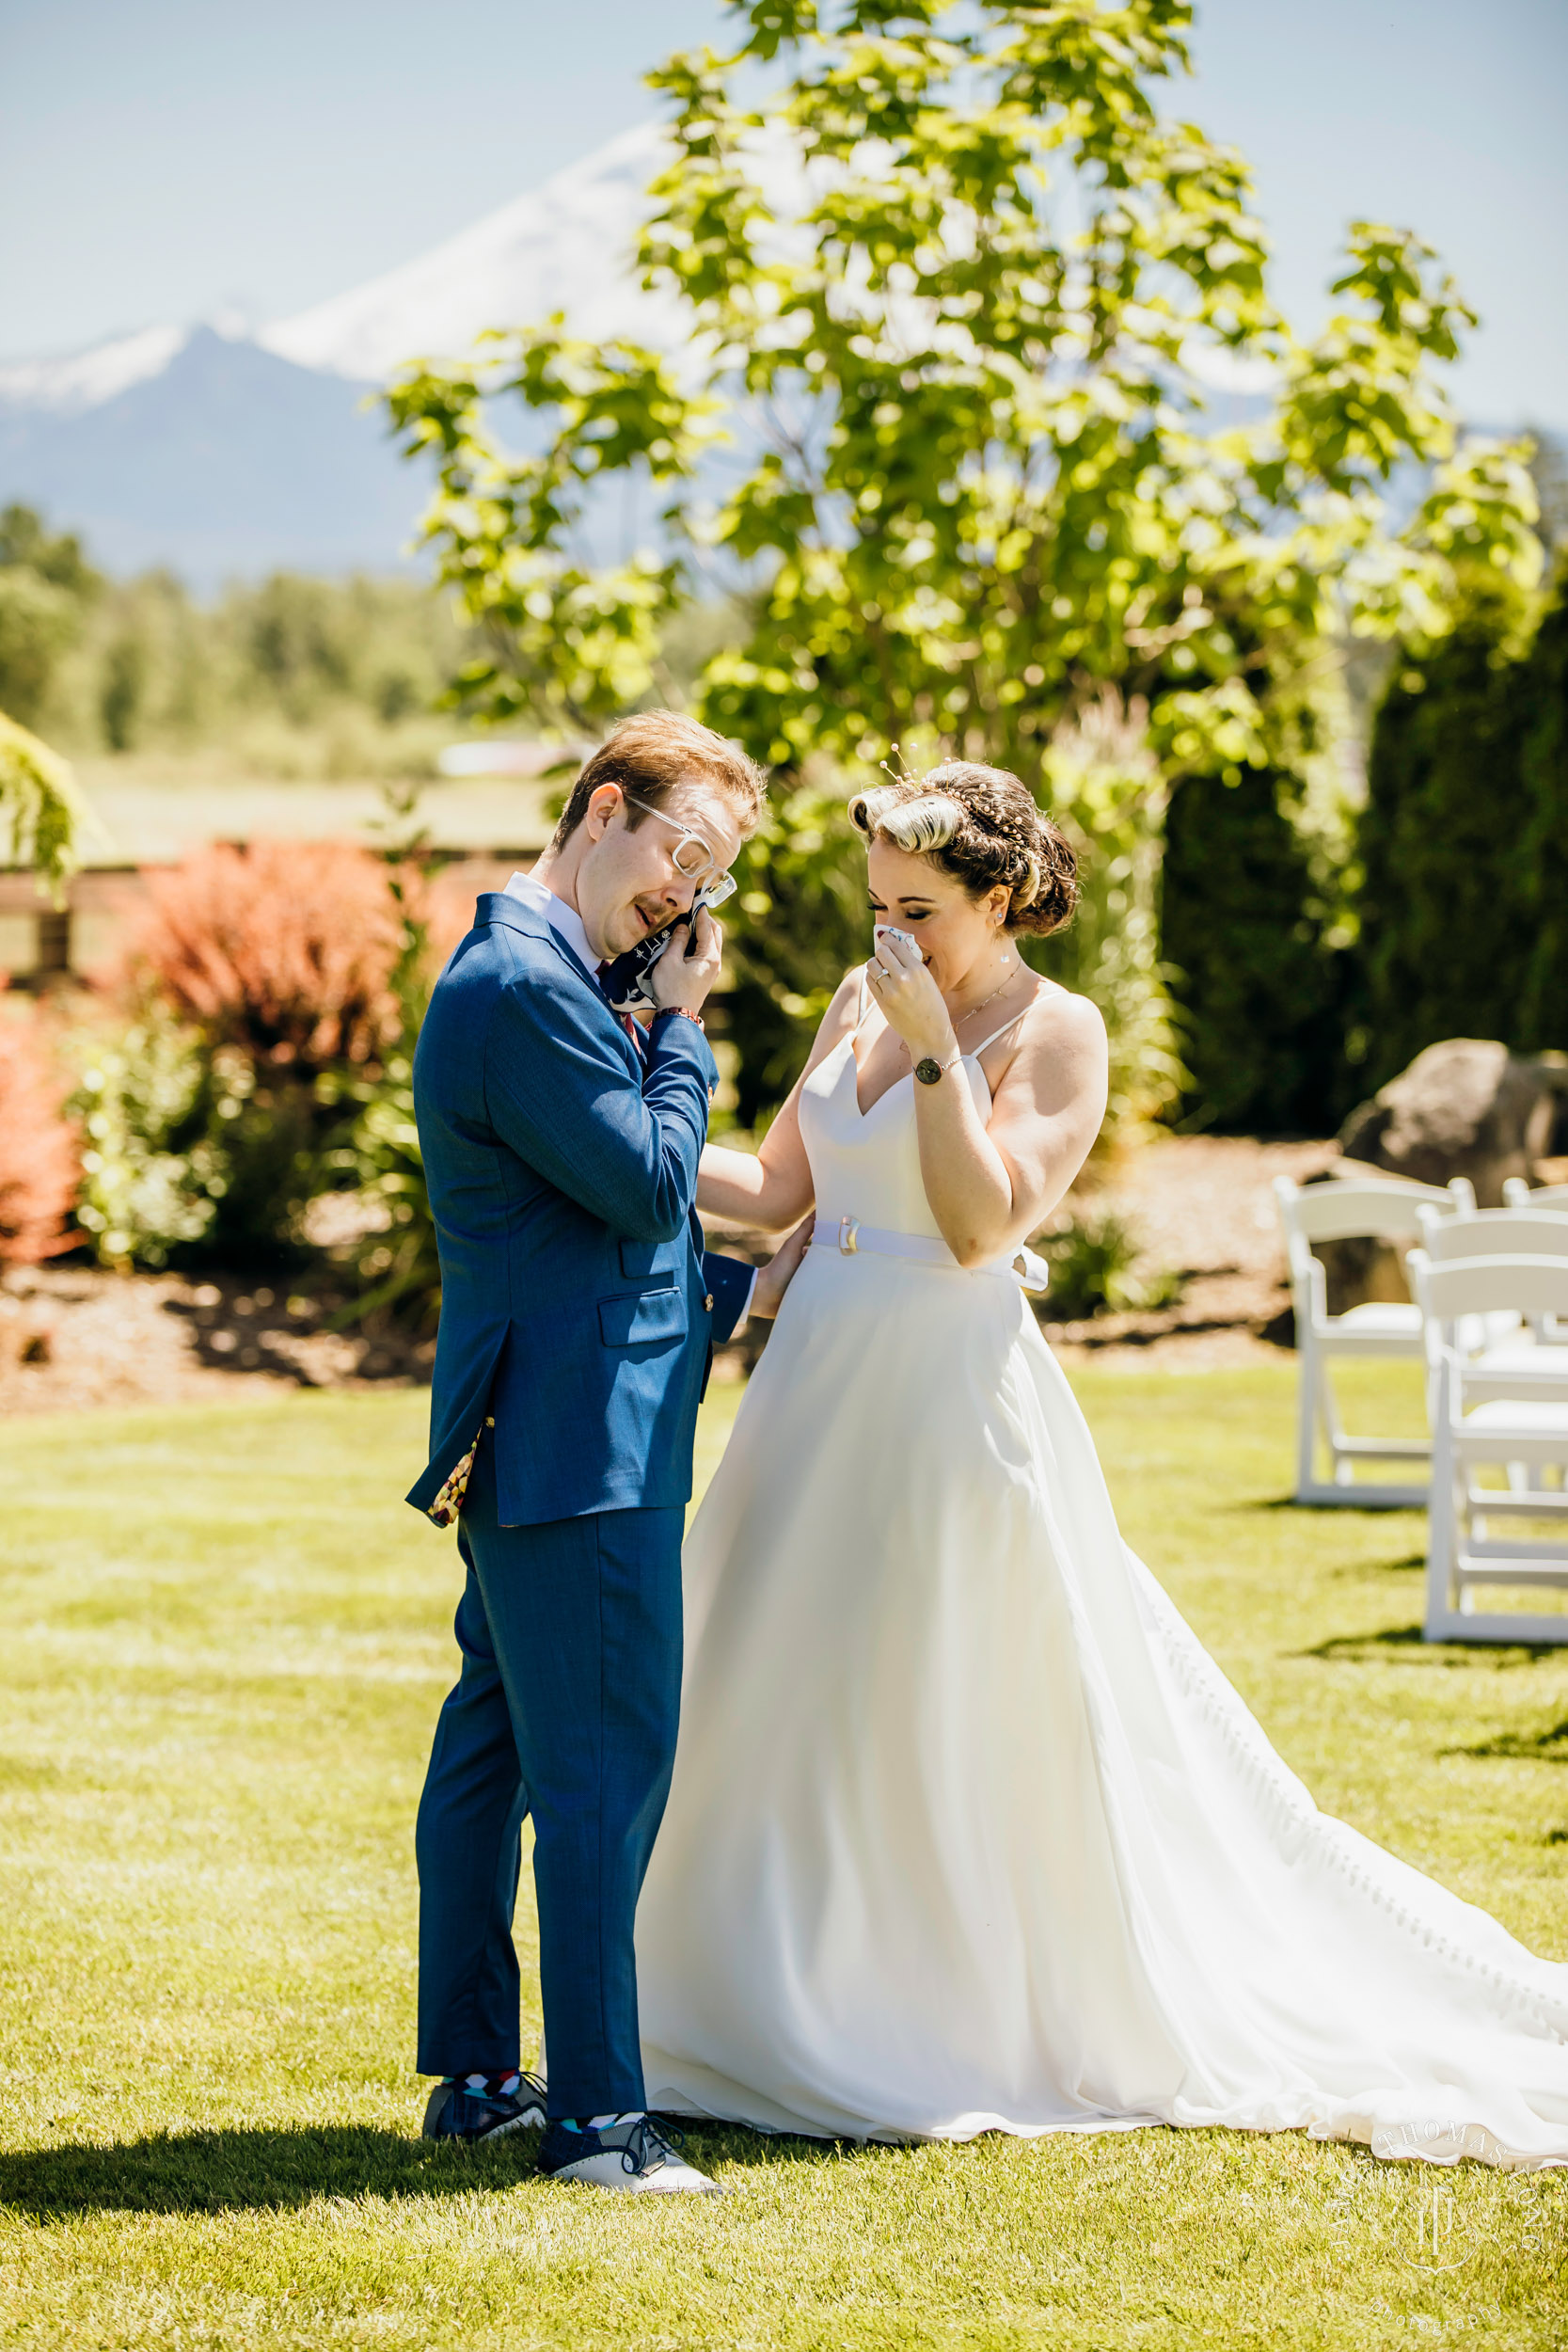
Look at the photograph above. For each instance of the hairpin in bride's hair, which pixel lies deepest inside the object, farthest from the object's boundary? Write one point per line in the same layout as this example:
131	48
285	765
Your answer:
903	773
928	823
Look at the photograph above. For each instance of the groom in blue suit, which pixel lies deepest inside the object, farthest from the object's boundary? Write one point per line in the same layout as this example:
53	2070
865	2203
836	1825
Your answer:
579	1317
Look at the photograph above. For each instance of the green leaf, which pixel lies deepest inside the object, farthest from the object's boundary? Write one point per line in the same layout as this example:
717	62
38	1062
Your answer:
41	812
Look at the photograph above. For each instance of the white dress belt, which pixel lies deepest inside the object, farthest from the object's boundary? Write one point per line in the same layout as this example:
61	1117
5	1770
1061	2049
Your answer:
848	1236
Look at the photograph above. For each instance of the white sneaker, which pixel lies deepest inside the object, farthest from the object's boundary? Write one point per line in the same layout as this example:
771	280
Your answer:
632	2155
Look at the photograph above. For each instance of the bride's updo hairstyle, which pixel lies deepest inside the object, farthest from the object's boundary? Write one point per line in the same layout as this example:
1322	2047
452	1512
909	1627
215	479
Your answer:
982	826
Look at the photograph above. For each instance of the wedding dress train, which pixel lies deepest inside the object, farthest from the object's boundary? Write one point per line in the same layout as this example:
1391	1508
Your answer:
967	1831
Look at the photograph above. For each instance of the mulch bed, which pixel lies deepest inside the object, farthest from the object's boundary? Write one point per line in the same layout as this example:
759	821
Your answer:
74	1336
1203	1207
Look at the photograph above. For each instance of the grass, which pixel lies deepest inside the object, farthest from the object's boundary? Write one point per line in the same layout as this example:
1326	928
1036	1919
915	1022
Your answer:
224	1643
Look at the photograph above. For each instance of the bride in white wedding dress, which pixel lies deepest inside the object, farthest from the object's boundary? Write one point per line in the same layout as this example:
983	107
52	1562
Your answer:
967	1832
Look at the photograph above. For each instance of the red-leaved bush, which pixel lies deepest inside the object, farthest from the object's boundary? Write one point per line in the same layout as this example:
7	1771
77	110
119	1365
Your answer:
286	948
38	1168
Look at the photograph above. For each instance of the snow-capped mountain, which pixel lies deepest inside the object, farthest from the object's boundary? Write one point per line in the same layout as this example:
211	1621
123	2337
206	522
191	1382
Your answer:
565	247
224	461
222	452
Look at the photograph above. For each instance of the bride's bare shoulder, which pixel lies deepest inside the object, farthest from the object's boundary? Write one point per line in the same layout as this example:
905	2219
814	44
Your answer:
844	1007
1061	1030
839	1020
1060	1013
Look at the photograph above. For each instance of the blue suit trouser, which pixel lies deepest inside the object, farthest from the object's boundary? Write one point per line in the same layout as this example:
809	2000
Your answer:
566	1709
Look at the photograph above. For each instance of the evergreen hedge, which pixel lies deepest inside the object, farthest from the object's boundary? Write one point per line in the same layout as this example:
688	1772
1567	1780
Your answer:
1258	998
1544	850
1464	899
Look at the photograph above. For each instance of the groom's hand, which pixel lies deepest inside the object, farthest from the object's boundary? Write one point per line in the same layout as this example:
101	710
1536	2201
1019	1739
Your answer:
687	968
781	1270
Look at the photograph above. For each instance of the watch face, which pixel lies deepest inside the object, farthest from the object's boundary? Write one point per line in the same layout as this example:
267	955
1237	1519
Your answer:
927	1070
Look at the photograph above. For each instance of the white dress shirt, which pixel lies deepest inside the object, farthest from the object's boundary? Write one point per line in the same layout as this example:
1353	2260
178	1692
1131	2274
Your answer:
563	920
566	923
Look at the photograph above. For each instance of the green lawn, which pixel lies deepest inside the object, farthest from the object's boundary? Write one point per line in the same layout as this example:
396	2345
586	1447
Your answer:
224	1642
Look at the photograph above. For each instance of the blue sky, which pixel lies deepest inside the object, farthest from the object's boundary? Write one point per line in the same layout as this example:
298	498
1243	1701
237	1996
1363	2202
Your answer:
171	159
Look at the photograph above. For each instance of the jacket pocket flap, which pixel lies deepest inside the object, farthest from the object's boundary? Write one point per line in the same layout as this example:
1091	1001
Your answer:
641	1315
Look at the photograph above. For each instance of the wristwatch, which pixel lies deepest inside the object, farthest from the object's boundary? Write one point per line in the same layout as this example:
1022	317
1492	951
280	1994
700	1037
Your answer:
928	1070
681	1013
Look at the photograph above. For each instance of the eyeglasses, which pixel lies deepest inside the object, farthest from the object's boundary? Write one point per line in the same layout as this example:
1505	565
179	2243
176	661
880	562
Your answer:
692	857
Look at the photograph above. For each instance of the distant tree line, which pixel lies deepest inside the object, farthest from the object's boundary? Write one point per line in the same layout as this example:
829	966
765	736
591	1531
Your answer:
293	675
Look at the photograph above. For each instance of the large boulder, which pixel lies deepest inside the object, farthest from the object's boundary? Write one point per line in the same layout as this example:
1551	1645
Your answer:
1466	1107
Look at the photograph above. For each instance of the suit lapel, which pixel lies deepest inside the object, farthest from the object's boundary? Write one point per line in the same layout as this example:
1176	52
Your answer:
496	907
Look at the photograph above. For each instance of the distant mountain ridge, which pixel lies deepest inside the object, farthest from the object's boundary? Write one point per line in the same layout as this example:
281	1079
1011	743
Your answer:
224	454
225	462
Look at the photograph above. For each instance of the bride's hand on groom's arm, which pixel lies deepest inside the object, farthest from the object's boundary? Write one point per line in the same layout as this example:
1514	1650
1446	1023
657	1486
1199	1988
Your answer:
781	1270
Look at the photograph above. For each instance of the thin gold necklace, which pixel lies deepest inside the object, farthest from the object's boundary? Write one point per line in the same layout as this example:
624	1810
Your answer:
1013	971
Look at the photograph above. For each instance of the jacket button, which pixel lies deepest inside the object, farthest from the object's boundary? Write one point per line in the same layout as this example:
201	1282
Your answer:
708	1302
489	1421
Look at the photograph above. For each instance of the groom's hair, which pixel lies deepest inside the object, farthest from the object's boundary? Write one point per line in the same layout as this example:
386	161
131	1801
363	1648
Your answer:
651	754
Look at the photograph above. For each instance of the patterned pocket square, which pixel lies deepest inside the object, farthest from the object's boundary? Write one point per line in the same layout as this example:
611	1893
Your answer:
448	1503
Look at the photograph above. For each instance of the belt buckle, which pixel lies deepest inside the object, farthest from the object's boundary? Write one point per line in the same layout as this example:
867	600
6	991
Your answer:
848	1235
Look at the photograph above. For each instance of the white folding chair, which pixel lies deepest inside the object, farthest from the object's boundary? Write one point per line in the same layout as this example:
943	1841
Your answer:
1345	1212
1488	1415
1492	1232
1505	1233
1519	1195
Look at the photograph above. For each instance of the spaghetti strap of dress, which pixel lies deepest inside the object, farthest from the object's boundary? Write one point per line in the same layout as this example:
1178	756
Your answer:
973	1053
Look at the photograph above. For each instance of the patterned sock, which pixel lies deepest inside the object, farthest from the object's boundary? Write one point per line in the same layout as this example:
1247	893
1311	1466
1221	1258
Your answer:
598	2122
503	2085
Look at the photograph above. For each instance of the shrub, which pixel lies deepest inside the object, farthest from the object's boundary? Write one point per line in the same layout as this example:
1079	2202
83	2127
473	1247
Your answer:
38	1151
278	989
396	1262
286	950
1093	1260
187	1157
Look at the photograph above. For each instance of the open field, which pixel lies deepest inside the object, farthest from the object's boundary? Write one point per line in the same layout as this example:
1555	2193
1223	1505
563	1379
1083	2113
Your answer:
224	1643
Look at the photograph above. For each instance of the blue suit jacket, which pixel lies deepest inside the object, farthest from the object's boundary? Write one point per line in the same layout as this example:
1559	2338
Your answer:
577	1307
